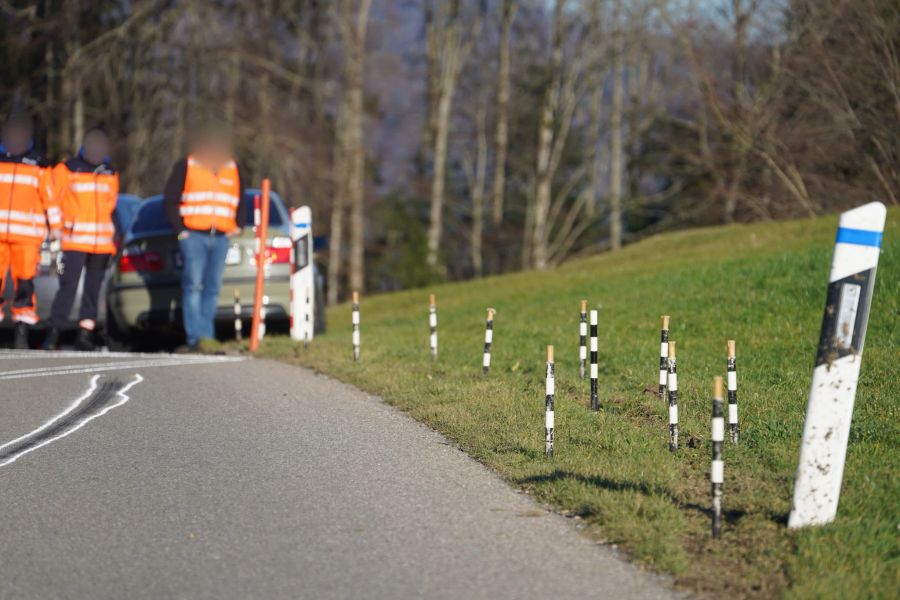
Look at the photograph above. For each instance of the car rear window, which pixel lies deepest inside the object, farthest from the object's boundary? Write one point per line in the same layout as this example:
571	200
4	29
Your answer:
151	218
276	218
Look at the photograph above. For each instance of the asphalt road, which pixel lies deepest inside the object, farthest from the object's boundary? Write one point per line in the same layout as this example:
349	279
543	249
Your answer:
159	476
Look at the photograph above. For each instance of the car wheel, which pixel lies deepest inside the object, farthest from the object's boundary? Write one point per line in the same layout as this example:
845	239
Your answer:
319	309
116	339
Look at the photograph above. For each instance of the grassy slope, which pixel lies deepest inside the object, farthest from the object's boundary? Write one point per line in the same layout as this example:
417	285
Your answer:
761	284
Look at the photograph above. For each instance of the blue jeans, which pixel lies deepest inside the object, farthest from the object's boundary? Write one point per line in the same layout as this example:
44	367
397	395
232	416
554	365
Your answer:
201	279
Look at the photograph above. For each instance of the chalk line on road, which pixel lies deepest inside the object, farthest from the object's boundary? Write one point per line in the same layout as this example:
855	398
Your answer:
6	354
93	403
113	366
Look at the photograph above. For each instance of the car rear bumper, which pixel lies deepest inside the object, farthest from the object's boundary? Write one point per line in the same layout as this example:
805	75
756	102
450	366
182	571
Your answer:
135	306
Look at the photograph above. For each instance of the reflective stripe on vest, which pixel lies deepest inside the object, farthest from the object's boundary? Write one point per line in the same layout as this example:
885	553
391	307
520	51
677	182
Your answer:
19	179
210	199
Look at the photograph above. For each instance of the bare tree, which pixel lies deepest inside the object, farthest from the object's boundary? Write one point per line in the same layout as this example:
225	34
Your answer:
476	177
502	132
453	48
353	20
616	133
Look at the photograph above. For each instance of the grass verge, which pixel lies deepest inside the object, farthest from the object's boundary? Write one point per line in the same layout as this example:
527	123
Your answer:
763	285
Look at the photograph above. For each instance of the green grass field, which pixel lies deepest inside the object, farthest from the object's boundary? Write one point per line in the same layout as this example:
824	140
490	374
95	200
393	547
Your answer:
763	285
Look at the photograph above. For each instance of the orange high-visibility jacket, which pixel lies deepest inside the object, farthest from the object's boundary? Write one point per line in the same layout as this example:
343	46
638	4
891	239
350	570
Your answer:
27	203
87	194
210	198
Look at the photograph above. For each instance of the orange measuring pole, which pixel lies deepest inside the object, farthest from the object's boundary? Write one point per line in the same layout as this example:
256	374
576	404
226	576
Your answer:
262	236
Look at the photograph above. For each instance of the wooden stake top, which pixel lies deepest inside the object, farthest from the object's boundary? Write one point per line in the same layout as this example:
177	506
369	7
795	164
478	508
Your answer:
730	348
431	299
717	388
237	293
671	349
665	321
355	297
549	354
490	314
584	306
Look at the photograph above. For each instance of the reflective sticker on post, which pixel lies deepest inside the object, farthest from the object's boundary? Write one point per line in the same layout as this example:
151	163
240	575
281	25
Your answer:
846	317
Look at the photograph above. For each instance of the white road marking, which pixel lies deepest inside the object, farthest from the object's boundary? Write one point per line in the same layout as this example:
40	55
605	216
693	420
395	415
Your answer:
45	354
113	366
93	386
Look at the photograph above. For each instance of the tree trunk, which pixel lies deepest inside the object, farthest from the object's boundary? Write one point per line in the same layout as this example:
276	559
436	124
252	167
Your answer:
502	134
741	20
437	182
616	135
477	180
339	193
595	116
450	58
355	144
543	172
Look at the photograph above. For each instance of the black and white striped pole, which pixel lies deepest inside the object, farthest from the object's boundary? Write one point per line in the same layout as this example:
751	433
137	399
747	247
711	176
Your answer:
548	405
829	411
263	313
717	469
595	400
432	327
488	340
355	321
733	429
238	322
582	333
663	356
672	385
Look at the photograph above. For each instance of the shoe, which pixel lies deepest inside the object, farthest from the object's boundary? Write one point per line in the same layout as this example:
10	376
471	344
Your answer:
209	346
20	341
84	342
51	342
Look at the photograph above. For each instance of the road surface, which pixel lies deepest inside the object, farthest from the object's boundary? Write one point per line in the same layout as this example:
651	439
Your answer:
160	476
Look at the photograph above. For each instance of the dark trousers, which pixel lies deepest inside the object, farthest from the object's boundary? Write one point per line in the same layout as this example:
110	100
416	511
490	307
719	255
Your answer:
94	266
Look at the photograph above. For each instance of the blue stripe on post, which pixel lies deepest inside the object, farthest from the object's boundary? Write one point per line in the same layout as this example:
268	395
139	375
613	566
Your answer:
860	237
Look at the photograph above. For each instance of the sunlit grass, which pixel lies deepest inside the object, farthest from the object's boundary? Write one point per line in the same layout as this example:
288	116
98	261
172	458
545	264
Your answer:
763	285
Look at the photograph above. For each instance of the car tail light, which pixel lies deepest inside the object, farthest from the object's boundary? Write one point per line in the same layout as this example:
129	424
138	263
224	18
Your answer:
278	250
132	261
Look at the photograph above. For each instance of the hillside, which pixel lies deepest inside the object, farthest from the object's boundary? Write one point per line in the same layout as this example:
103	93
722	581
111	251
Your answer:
763	285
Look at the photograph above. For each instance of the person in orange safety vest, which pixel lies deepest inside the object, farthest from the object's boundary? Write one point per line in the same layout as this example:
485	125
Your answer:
204	202
87	187
27	209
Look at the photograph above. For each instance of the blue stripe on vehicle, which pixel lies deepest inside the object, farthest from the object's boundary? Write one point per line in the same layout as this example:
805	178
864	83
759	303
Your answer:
860	237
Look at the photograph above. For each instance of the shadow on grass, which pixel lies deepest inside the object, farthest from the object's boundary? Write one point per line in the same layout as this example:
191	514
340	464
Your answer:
651	490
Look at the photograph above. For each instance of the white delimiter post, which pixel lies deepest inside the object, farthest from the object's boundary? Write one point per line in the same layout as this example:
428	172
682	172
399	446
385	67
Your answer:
831	397
303	291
